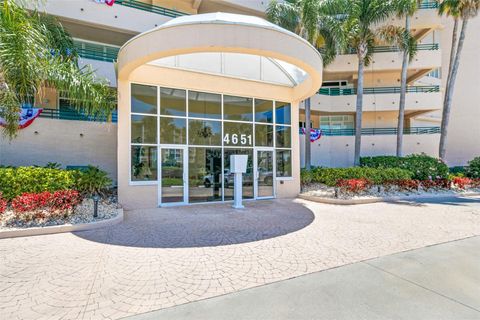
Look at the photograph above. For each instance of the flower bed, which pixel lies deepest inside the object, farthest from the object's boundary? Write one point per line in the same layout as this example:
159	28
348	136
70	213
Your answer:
347	189
39	197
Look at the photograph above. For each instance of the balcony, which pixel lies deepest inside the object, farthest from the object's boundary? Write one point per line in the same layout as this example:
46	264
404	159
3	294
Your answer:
379	131
418	98
150	8
70	114
95	51
377	49
386	58
128	17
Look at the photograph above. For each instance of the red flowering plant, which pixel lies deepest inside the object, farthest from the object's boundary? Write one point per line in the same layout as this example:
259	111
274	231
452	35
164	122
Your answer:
46	204
461	182
407	184
3	204
354	185
475	183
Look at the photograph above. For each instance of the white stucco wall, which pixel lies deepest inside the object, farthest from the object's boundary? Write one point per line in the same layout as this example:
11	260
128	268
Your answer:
338	151
51	140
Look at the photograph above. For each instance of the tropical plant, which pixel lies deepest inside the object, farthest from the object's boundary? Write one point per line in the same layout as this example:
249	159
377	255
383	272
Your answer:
91	181
406	42
473	168
361	26
36	52
315	21
462	10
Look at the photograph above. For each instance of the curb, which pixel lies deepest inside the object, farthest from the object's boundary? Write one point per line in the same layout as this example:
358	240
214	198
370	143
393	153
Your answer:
379	199
37	231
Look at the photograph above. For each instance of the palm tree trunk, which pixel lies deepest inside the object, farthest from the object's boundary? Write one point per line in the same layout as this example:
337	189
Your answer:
308	145
449	92
358	115
403	92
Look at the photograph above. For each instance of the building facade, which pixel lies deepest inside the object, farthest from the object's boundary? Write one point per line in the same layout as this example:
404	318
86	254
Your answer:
100	30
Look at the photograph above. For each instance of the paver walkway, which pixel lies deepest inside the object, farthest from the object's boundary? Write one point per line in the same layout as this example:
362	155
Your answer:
431	283
133	268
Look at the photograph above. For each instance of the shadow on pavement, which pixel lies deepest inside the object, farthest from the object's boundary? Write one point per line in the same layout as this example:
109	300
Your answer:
204	225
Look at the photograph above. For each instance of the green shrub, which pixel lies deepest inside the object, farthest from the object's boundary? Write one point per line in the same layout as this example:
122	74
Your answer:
330	176
423	167
473	168
91	181
16	181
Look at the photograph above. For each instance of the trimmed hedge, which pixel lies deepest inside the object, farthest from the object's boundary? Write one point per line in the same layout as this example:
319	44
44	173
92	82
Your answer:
330	176
422	167
473	168
16	181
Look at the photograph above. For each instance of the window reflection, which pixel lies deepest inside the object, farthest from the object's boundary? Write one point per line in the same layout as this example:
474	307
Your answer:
263	110
282	112
173	130
205	132
284	136
264	135
284	163
237	108
144	99
205	174
144	163
144	129
204	105
173	102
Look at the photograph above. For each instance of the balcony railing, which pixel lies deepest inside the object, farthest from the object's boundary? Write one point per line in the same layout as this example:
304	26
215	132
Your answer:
67	114
96	51
150	8
379	49
428	4
379	131
377	90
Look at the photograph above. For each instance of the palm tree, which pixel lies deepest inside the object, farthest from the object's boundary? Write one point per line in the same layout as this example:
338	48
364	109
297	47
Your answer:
403	39
36	52
312	20
360	24
459	10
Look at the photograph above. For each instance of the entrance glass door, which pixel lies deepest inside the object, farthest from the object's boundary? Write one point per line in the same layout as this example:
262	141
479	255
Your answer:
173	178
264	174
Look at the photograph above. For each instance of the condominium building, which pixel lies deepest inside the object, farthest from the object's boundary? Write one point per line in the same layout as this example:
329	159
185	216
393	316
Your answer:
63	134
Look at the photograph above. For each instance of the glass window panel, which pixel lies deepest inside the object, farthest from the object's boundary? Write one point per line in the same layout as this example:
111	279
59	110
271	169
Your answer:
282	112
172	175
237	108
144	163
144	129
284	136
204	105
173	102
263	135
173	130
205	132
237	134
144	99
284	163
204	174
263	110
247	189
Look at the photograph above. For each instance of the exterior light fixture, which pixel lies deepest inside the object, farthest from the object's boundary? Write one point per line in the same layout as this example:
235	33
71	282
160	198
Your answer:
95	199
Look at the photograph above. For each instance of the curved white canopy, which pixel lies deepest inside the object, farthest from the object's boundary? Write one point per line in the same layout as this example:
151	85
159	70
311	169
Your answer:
229	45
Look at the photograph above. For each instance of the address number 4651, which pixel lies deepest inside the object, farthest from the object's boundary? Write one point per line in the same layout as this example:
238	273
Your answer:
237	139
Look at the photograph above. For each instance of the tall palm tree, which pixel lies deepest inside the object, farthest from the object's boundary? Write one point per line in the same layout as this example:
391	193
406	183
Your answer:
361	20
36	52
312	20
403	39
458	10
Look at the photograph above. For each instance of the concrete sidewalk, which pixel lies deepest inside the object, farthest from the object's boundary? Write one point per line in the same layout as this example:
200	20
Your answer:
436	282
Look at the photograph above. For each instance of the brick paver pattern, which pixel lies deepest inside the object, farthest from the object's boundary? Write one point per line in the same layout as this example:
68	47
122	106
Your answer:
164	257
